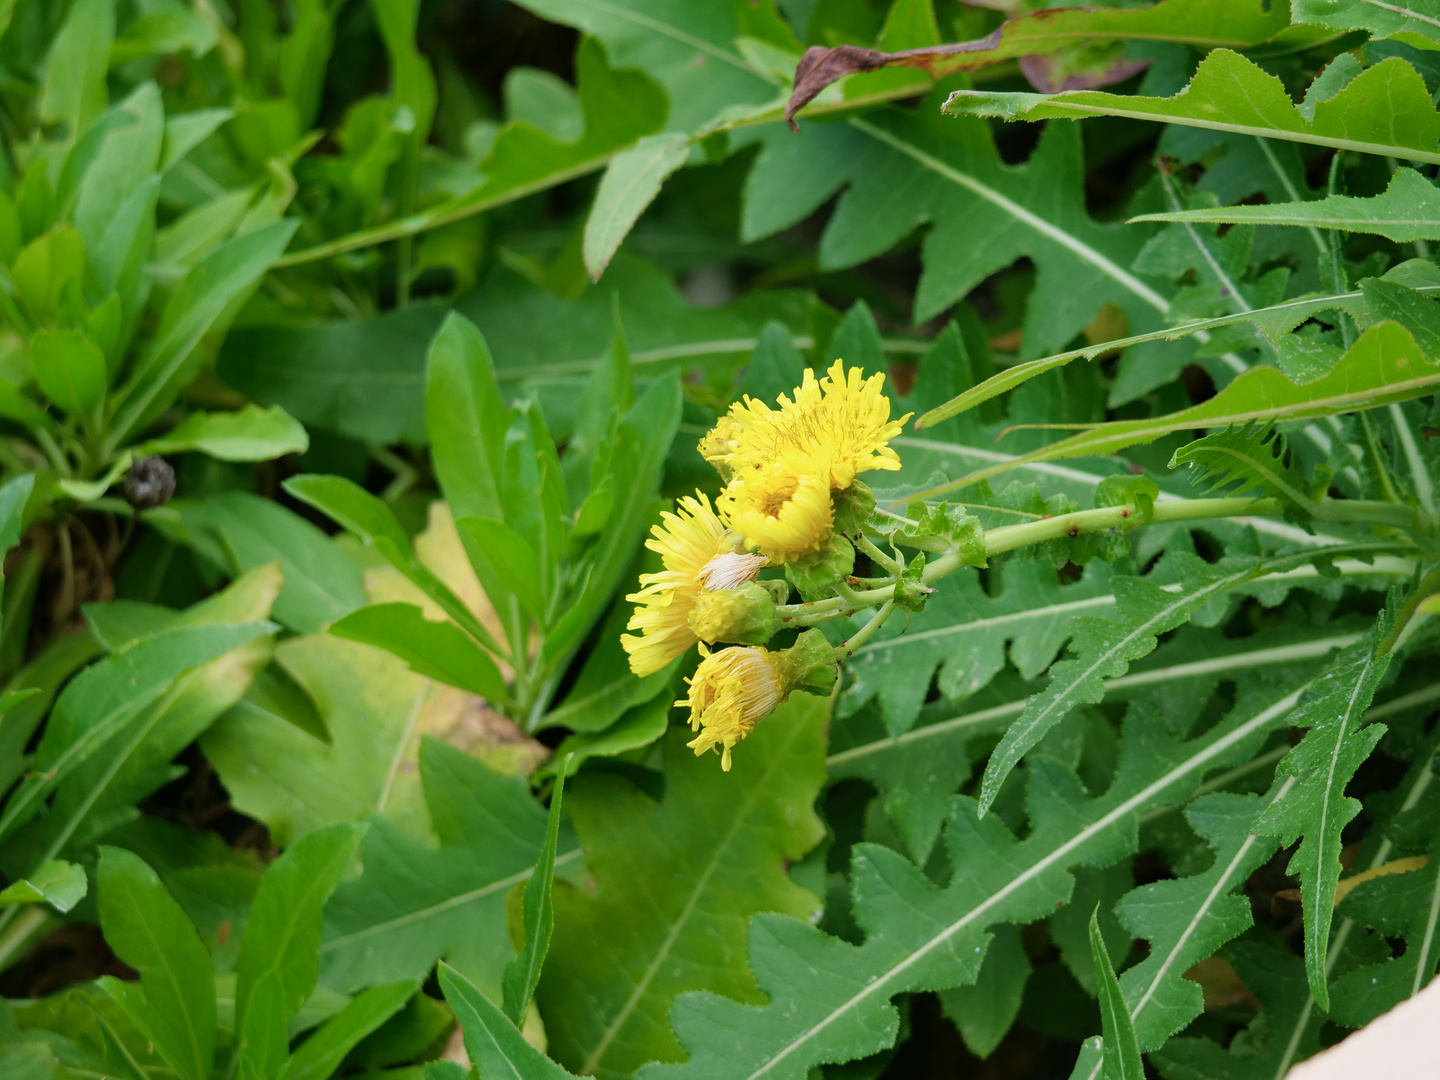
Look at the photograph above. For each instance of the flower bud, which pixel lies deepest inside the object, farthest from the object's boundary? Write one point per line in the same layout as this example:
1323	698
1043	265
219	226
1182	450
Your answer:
746	614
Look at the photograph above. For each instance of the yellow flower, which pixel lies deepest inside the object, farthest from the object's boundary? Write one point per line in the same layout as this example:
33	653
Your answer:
843	419
782	508
686	543
732	691
698	555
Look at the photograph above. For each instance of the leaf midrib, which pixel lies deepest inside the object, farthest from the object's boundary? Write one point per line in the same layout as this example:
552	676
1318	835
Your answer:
691	903
1191	764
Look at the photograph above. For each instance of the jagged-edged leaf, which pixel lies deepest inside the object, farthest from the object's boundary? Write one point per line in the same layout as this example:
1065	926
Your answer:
1384	110
1384	365
1274	321
1286	1031
968	632
1415	22
676	882
630	184
619	107
916	773
1398	905
689	46
418	902
1245	460
1201	24
1408	210
1104	648
983	214
1187	919
1316	809
829	1000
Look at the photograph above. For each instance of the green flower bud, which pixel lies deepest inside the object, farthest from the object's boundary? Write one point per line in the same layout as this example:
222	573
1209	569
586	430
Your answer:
745	615
853	507
809	664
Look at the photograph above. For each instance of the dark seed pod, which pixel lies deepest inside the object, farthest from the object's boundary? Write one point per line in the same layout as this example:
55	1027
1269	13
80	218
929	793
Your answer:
150	482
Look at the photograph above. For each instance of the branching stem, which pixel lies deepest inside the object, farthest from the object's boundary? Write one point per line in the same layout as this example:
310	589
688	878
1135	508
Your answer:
1010	537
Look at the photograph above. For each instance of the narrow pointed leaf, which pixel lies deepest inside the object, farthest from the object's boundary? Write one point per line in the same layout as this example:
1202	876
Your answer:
522	974
1121	1055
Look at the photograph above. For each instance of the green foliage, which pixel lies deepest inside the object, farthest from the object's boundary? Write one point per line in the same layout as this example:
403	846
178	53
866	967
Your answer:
403	324
622	953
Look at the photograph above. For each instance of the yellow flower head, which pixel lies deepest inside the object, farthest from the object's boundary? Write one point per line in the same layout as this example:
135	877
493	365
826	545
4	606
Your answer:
686	543
732	691
843	419
782	508
698	554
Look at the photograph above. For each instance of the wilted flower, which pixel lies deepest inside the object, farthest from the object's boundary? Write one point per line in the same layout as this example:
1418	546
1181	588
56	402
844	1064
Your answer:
731	691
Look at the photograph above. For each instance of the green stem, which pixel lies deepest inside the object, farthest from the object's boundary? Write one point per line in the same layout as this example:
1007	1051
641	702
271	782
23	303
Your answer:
846	648
878	557
58	461
1009	537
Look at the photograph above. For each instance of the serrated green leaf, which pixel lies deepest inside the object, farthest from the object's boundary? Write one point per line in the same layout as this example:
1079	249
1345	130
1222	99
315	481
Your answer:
1316	809
829	1000
1275	321
1105	648
1244	460
1384	365
417	903
1415	22
966	633
676	881
983	214
630	184
1384	110
1286	1031
1188	919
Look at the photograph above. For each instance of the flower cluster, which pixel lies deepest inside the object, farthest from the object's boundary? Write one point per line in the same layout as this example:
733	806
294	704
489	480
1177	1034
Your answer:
789	472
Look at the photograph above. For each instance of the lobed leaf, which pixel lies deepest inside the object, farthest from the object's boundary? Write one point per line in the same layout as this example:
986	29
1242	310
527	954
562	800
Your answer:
1408	210
1384	110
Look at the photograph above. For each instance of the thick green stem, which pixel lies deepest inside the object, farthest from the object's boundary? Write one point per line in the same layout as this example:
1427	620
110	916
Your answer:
1009	537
